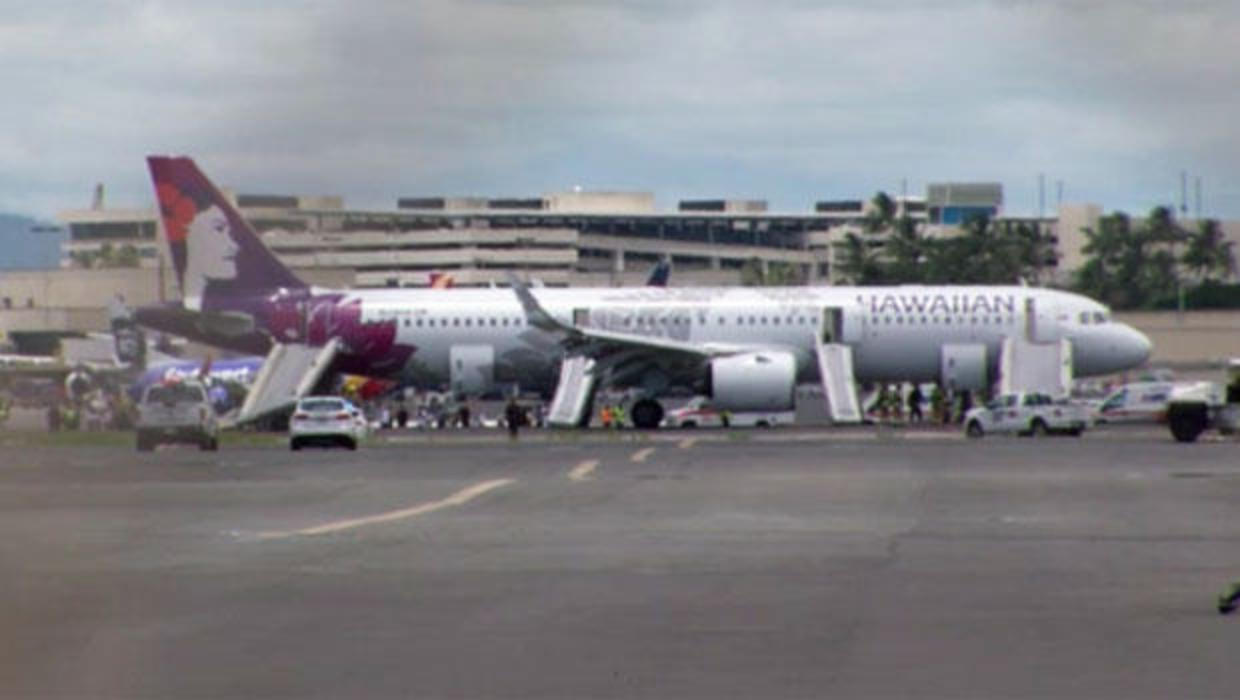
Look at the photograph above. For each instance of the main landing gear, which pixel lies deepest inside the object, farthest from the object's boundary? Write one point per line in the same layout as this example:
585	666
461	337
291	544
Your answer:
646	414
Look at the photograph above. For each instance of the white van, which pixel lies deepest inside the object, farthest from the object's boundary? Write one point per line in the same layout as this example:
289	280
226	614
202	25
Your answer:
699	413
1139	402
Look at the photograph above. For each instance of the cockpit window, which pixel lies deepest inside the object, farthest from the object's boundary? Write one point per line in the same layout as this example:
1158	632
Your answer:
1100	317
1084	318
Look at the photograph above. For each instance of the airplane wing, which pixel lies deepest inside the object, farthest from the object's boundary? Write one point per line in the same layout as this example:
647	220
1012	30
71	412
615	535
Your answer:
599	343
594	352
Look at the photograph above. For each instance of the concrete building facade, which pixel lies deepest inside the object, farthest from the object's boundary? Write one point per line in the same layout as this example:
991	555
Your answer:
573	238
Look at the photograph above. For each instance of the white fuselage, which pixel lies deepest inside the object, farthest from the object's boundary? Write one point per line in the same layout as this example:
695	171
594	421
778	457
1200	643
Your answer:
896	332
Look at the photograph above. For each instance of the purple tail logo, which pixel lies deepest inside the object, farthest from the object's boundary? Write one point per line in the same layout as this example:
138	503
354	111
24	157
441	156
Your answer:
219	259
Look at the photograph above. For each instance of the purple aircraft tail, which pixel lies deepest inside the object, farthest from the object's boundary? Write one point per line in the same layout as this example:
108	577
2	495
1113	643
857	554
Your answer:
218	257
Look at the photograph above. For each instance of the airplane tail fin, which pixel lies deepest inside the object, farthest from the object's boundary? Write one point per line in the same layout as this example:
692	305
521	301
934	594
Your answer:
659	274
216	253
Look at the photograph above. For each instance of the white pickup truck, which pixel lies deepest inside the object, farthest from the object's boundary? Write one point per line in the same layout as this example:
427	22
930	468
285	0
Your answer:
177	412
1026	413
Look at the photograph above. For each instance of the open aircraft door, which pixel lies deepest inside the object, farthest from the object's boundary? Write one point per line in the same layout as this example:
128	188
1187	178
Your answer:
842	324
1041	321
842	327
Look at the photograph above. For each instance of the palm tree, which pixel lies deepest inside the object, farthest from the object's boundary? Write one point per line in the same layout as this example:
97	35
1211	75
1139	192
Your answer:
1132	267
882	213
1208	255
859	263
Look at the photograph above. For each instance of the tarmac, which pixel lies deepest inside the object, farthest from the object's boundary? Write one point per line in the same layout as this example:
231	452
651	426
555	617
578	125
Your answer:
791	563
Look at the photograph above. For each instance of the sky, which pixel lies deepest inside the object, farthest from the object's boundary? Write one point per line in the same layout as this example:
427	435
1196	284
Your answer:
791	101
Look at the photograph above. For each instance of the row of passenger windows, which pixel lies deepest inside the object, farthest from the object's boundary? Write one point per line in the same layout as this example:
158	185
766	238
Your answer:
946	320
514	322
673	320
723	321
466	322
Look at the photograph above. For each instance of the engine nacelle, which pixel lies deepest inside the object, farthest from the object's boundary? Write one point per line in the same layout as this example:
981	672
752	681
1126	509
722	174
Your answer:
756	381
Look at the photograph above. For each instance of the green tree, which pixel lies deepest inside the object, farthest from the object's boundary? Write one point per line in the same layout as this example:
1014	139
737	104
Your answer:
1131	267
882	214
126	256
772	274
983	253
907	253
859	262
1207	254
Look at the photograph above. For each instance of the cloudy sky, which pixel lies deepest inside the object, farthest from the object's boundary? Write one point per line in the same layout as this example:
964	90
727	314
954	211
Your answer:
786	100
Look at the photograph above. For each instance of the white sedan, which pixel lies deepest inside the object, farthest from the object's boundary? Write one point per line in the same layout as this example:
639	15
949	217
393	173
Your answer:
327	421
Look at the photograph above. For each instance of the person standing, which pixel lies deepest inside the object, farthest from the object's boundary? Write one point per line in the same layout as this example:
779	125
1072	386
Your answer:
514	416
914	405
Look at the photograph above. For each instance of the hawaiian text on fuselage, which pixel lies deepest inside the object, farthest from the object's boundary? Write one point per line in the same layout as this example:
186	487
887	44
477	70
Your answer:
960	303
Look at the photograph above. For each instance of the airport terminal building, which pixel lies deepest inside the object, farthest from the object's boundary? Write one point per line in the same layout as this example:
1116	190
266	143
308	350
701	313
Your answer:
571	238
574	238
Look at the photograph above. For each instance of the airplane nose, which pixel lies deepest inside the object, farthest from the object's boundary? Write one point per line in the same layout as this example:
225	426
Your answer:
1137	346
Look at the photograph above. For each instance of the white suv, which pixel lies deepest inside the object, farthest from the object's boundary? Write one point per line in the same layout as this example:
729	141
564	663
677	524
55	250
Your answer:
177	412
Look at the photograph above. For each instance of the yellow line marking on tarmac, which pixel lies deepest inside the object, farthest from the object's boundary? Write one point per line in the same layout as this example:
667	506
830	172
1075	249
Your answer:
459	498
641	455
687	443
583	471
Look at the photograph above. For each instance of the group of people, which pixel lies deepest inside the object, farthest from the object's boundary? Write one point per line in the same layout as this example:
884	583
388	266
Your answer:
613	415
891	403
441	411
97	410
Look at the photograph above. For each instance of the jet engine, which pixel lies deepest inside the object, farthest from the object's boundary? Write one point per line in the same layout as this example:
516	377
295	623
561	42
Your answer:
755	381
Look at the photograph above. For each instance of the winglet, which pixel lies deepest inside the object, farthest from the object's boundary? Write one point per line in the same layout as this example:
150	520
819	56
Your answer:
534	312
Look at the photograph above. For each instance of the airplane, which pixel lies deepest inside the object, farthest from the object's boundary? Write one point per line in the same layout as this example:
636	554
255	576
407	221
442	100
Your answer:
746	347
240	370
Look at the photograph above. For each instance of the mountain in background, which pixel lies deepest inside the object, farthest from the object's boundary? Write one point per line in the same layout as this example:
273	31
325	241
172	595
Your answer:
22	248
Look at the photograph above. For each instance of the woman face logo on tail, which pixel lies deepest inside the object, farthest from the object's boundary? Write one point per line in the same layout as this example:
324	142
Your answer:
211	253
